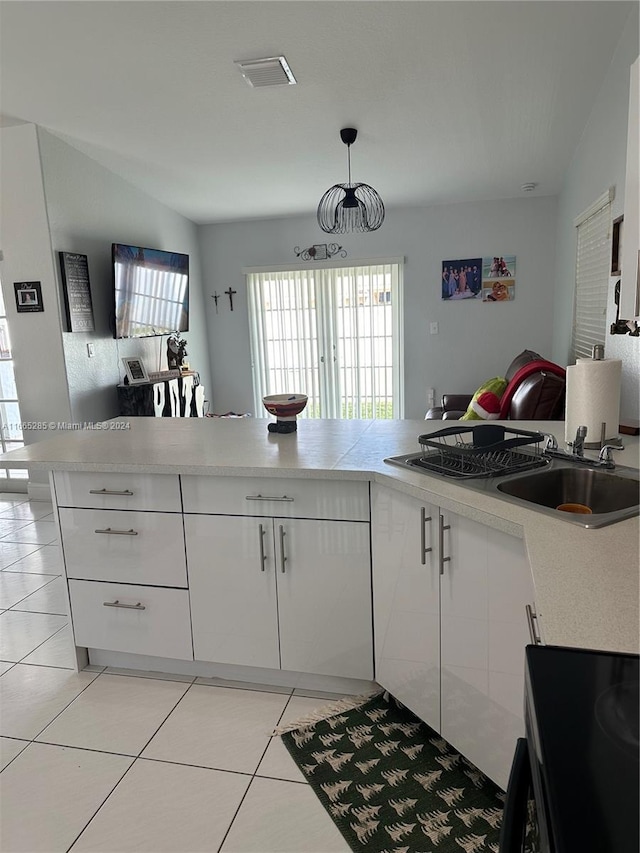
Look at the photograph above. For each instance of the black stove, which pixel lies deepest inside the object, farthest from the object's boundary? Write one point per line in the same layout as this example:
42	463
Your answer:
583	717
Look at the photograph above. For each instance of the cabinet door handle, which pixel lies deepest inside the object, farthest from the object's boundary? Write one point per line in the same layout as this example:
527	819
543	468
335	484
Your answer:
116	603
111	532
125	493
532	619
283	556
263	558
267	498
424	518
442	528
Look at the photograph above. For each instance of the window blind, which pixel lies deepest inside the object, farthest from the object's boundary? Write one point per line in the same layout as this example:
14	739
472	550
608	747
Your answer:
592	278
332	333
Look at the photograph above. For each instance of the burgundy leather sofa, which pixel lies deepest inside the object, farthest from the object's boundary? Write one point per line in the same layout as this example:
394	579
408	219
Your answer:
535	392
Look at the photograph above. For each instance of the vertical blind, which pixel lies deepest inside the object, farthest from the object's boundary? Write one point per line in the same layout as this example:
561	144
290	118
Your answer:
592	277
330	333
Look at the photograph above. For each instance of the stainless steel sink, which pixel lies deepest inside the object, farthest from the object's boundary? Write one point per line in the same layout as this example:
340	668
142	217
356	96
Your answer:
610	495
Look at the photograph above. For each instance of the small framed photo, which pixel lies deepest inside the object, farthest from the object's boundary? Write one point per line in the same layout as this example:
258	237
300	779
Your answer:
28	296
136	371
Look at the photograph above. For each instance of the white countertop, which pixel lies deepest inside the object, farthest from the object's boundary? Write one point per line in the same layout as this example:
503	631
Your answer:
586	581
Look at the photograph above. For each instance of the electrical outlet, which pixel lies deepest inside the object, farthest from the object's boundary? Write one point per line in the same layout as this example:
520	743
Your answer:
90	350
433	328
431	397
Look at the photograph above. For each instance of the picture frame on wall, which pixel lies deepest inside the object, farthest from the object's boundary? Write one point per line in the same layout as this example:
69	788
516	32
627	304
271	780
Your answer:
28	296
74	271
135	370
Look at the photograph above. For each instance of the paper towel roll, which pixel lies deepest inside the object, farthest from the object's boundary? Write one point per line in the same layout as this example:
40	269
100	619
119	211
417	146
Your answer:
593	398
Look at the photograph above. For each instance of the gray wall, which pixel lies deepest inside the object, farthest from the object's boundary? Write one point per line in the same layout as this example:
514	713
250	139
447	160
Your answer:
89	208
598	163
475	342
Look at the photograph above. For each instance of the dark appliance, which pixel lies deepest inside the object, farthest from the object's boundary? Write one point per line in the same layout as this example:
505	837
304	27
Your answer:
151	291
574	785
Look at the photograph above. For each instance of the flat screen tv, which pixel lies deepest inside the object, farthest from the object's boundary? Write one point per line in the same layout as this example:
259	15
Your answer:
151	291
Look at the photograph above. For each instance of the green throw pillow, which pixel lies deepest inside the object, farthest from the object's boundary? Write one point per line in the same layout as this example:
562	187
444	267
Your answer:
485	403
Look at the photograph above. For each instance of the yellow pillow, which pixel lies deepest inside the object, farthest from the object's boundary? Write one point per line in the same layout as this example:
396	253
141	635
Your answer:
485	403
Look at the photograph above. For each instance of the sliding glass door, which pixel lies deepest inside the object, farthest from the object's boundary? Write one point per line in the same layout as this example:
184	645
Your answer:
333	334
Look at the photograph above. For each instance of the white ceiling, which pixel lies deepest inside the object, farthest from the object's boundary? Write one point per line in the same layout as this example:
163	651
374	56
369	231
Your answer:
453	100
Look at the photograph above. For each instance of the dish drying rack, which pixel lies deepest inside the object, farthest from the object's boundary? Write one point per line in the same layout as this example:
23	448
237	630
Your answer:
480	451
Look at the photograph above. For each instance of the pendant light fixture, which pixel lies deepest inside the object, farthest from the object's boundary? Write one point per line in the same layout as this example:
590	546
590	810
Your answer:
350	207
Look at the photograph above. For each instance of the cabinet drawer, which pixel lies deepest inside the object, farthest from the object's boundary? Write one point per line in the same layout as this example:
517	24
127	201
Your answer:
128	547
136	619
346	500
159	492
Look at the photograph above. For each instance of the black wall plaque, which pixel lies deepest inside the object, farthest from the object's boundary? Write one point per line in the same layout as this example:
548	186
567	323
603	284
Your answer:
28	296
77	294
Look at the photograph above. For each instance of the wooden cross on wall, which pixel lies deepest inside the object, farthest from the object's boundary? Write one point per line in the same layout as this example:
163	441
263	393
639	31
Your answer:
230	293
215	296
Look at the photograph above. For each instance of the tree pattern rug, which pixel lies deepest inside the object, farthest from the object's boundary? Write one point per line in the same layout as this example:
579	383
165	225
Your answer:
392	785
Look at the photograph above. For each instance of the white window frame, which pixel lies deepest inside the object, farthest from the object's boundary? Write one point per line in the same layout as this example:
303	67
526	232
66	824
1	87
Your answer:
397	325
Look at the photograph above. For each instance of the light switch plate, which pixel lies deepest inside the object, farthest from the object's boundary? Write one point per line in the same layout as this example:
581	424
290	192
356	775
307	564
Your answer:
433	328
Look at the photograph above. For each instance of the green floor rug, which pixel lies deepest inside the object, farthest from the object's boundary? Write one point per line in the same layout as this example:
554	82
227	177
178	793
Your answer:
392	785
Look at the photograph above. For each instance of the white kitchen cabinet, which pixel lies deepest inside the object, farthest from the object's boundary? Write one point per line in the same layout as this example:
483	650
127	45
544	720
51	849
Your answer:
461	622
232	580
100	490
123	546
282	593
297	497
406	584
484	589
324	597
141	620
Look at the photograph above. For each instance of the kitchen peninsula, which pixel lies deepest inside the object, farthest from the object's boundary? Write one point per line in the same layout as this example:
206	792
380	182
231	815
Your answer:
281	533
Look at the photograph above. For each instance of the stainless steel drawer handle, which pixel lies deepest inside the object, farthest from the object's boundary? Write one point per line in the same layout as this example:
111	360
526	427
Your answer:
424	518
111	532
263	558
267	498
116	603
532	618
443	559
125	493
283	556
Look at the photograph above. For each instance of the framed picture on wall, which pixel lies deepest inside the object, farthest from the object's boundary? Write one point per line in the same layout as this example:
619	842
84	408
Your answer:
136	371
28	296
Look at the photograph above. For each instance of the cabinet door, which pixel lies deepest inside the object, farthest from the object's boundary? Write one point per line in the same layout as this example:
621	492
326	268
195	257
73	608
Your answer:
406	601
484	589
232	589
324	597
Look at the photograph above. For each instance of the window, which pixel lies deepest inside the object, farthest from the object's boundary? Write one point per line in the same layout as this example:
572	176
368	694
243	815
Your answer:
592	277
333	333
10	429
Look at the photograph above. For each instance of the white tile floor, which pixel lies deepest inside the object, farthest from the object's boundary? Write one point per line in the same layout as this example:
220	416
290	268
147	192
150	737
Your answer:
107	761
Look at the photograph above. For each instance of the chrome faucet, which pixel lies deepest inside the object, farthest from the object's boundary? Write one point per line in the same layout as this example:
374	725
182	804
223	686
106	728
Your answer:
604	460
605	457
578	442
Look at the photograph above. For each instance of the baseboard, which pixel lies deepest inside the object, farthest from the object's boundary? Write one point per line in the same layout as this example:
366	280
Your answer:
39	492
227	672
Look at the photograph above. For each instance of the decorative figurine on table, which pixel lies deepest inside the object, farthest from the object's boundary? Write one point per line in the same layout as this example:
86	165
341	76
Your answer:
176	351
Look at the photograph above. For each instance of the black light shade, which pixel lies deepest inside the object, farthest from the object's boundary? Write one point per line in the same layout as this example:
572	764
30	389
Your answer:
350	207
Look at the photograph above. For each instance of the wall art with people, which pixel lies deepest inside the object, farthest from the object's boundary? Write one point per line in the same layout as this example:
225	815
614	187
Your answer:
490	279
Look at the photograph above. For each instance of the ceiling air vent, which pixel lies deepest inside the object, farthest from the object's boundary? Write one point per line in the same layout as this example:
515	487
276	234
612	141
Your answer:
272	71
